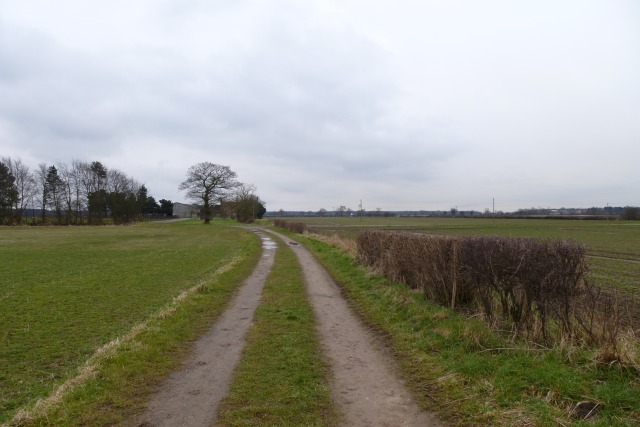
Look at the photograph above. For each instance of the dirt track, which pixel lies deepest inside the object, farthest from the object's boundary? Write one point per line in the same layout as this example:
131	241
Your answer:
191	395
365	385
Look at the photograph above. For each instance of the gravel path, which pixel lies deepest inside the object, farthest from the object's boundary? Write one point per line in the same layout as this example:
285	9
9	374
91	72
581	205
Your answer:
365	386
191	396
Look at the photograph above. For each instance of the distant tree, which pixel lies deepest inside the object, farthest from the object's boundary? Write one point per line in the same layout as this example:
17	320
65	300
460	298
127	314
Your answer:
341	211
631	213
166	207
322	212
68	191
93	179
54	191
150	206
8	194
207	182
147	204
98	176
41	189
98	204
25	185
123	206
245	205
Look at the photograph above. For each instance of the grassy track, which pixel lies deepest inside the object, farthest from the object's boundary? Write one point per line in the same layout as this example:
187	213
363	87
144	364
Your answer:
613	246
66	291
281	378
472	376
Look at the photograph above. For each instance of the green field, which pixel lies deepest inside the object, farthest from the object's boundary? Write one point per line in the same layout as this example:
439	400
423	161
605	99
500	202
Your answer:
613	247
67	291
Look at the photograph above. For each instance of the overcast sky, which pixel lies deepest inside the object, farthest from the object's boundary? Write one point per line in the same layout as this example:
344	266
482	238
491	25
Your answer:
402	104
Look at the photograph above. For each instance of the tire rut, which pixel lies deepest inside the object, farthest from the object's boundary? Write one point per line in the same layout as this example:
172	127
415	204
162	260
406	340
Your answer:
365	383
191	396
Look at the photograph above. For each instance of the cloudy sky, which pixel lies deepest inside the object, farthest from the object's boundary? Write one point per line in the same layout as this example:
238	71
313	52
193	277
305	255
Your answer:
425	104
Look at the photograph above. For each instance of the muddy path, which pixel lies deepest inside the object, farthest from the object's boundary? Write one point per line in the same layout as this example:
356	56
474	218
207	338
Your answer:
365	385
191	395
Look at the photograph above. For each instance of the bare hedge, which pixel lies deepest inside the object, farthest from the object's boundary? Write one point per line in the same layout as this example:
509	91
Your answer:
537	286
295	227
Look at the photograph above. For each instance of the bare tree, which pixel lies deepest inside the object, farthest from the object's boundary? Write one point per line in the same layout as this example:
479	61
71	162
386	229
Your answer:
67	190
25	185
41	189
245	204
76	176
207	182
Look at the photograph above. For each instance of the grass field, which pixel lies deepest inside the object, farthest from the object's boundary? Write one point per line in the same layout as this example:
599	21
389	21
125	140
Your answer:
613	247
67	291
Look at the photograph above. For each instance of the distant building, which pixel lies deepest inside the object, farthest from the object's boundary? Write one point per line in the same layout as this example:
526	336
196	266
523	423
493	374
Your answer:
182	210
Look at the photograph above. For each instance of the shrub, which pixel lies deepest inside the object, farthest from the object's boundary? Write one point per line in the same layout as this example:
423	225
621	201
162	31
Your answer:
538	286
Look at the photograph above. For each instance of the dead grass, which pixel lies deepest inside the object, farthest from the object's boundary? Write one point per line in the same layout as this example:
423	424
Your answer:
348	245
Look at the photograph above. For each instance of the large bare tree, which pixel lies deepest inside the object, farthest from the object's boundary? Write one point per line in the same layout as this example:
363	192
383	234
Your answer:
207	183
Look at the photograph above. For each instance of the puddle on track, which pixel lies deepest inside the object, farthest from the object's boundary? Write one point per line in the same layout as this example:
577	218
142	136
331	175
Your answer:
268	243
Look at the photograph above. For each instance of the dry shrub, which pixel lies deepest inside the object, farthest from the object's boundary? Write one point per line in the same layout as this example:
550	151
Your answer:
295	227
420	261
538	287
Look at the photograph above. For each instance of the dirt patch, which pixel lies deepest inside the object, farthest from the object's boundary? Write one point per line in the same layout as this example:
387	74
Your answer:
191	395
365	384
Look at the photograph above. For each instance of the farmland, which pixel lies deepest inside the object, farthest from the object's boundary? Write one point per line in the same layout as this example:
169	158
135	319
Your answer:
467	370
67	291
613	247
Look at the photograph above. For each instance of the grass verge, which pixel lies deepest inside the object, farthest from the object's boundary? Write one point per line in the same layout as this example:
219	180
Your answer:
469	375
112	334
281	379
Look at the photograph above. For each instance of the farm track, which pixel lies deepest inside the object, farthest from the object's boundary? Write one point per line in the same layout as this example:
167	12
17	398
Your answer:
191	395
365	383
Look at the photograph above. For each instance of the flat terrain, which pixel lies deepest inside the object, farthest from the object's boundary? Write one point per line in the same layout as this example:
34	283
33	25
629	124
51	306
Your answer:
67	291
131	302
613	247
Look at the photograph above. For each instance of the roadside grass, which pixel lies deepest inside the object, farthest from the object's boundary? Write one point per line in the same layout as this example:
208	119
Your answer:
471	375
101	301
281	378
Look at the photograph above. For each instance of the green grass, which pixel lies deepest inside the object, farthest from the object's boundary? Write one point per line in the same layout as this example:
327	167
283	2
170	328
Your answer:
67	291
613	247
470	375
281	379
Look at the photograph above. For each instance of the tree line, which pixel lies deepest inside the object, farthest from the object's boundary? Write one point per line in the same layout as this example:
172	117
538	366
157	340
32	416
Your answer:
79	193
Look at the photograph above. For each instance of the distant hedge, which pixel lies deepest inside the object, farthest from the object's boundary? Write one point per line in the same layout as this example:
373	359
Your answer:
538	286
295	227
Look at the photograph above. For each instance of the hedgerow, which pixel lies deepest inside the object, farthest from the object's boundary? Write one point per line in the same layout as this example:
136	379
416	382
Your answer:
536	288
